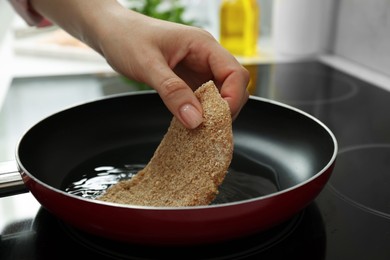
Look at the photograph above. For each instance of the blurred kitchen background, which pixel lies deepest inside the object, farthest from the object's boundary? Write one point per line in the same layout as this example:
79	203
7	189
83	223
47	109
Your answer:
352	35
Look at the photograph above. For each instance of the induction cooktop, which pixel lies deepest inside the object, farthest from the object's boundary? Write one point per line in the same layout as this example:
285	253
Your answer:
350	219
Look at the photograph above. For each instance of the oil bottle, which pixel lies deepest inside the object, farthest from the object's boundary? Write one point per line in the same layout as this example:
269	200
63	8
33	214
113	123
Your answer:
239	26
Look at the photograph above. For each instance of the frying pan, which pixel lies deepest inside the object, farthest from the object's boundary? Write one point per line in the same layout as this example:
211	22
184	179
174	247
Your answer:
272	141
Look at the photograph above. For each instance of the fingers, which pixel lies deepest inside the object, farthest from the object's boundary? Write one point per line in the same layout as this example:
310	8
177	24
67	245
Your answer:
235	93
177	96
233	79
195	57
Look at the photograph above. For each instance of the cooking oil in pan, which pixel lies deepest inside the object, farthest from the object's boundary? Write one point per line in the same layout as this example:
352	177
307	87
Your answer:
93	181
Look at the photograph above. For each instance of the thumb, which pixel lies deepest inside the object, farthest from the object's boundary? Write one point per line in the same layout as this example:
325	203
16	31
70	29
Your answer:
177	96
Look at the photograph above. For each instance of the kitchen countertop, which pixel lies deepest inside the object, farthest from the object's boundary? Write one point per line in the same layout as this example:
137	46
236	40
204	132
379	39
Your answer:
30	66
6	58
18	60
357	70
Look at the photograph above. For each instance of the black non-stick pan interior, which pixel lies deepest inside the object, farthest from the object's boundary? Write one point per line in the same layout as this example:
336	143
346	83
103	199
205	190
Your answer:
271	140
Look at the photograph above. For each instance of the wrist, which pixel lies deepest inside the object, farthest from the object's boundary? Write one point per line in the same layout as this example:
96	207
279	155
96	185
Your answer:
117	24
101	24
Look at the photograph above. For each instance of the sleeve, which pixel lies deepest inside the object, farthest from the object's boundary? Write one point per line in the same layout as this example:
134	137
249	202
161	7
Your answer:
25	10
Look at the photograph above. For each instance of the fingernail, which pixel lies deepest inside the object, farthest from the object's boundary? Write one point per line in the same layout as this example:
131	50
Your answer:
191	116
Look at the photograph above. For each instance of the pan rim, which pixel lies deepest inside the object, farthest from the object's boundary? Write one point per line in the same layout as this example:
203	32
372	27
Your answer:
330	162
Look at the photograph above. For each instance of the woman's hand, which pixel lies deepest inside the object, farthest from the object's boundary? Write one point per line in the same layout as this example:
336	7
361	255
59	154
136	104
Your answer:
174	59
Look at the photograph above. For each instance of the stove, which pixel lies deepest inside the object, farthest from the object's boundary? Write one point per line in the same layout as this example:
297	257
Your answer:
350	219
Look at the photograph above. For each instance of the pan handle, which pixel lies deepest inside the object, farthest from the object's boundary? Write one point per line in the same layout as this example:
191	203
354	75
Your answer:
11	182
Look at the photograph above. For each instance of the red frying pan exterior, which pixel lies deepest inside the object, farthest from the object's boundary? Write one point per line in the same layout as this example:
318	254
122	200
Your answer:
165	226
183	226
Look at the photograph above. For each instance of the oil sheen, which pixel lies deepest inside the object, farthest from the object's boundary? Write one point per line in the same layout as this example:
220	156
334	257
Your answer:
94	180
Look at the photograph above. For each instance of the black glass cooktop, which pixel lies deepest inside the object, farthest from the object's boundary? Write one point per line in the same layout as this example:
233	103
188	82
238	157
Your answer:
350	219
